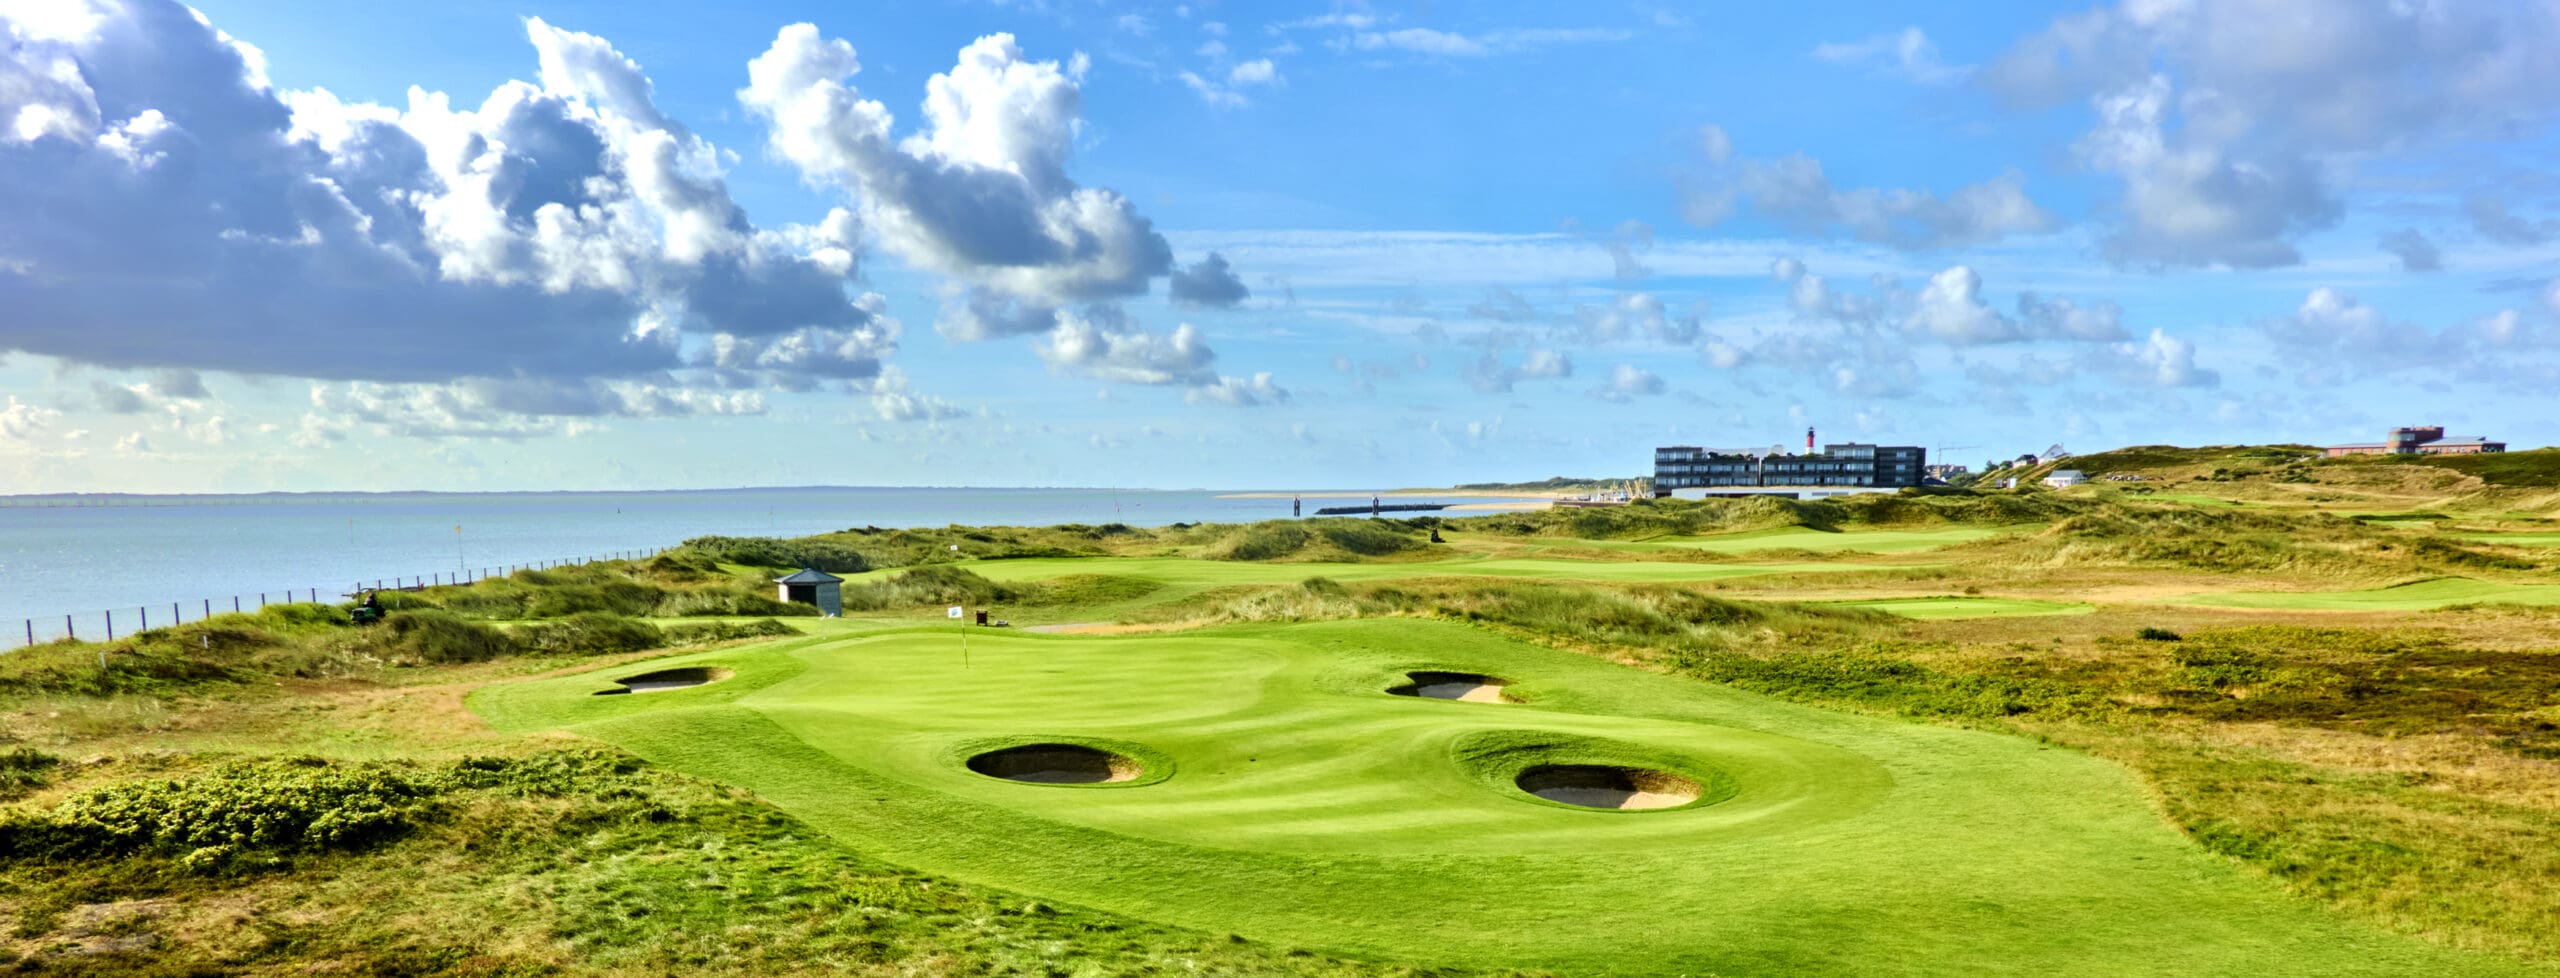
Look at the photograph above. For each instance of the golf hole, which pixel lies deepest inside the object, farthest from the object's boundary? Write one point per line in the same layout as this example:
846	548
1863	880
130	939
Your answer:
1056	764
1604	786
665	679
1465	687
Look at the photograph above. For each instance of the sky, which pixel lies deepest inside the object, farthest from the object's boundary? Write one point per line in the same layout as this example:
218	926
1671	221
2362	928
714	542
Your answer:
264	245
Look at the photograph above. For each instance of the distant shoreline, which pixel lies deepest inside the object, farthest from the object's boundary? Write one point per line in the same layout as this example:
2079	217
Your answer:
302	495
1400	494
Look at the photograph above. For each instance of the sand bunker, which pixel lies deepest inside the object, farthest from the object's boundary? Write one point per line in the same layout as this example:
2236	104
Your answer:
1463	686
1056	764
1601	786
665	679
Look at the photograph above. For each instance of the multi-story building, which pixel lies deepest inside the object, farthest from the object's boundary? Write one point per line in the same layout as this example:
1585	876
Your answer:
2428	440
1848	465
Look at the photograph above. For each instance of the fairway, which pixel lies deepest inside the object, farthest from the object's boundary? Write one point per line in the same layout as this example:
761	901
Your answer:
1276	791
2515	539
2438	593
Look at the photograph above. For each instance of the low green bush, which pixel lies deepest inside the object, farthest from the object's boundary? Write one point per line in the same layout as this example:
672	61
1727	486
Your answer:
233	816
722	631
728	602
405	600
618	597
302	616
435	636
774	552
928	585
24	769
590	633
681	567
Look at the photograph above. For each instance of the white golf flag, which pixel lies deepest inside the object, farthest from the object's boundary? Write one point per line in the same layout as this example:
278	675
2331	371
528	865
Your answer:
955	611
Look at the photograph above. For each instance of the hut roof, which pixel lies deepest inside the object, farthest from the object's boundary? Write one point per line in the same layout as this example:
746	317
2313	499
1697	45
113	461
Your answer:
806	576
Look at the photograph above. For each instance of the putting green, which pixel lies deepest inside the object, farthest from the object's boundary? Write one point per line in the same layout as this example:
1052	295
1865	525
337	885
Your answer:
2419	596
1286	797
1870	541
1952	607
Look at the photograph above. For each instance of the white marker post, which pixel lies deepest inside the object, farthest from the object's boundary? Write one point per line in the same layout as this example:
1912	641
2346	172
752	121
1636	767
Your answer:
955	613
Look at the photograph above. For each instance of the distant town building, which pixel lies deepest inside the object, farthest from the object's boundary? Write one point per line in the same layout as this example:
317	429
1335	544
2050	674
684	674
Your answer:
2065	478
1844	467
2428	440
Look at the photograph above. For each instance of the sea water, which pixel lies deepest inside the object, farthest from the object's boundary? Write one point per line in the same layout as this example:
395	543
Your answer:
136	556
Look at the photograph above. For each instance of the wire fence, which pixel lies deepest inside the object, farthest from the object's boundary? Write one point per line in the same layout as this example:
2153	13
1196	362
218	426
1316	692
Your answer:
109	624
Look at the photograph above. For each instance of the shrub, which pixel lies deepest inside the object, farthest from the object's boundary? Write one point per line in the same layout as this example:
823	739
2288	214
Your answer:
436	636
728	602
1318	538
680	566
2150	633
722	631
610	597
302	616
405	601
591	633
489	599
232	816
24	769
928	585
772	552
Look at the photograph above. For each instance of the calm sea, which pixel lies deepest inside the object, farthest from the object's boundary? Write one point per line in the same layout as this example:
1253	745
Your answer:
136	556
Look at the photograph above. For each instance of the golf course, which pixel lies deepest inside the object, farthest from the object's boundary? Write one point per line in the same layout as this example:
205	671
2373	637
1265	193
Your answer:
1288	797
1926	734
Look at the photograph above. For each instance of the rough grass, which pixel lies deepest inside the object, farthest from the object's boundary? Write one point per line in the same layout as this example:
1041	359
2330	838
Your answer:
2537	469
612	868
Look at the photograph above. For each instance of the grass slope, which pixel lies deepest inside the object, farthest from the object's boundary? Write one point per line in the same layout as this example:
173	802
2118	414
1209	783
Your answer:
2423	595
1868	541
1954	608
1309	809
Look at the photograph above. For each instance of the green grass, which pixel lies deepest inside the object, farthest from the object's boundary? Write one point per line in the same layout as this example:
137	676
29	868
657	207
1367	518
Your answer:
2438	593
1934	609
2536	468
1217	574
2515	539
2193	499
1867	541
1177	581
1305	808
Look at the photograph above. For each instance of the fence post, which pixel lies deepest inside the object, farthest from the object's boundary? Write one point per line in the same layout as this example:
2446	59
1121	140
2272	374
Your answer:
67	630
174	617
111	624
235	604
145	612
31	631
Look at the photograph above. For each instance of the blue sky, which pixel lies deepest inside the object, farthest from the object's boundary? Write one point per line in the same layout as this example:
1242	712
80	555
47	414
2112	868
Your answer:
286	245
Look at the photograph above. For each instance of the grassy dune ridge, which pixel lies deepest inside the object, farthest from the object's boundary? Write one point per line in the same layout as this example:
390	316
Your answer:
2333	741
